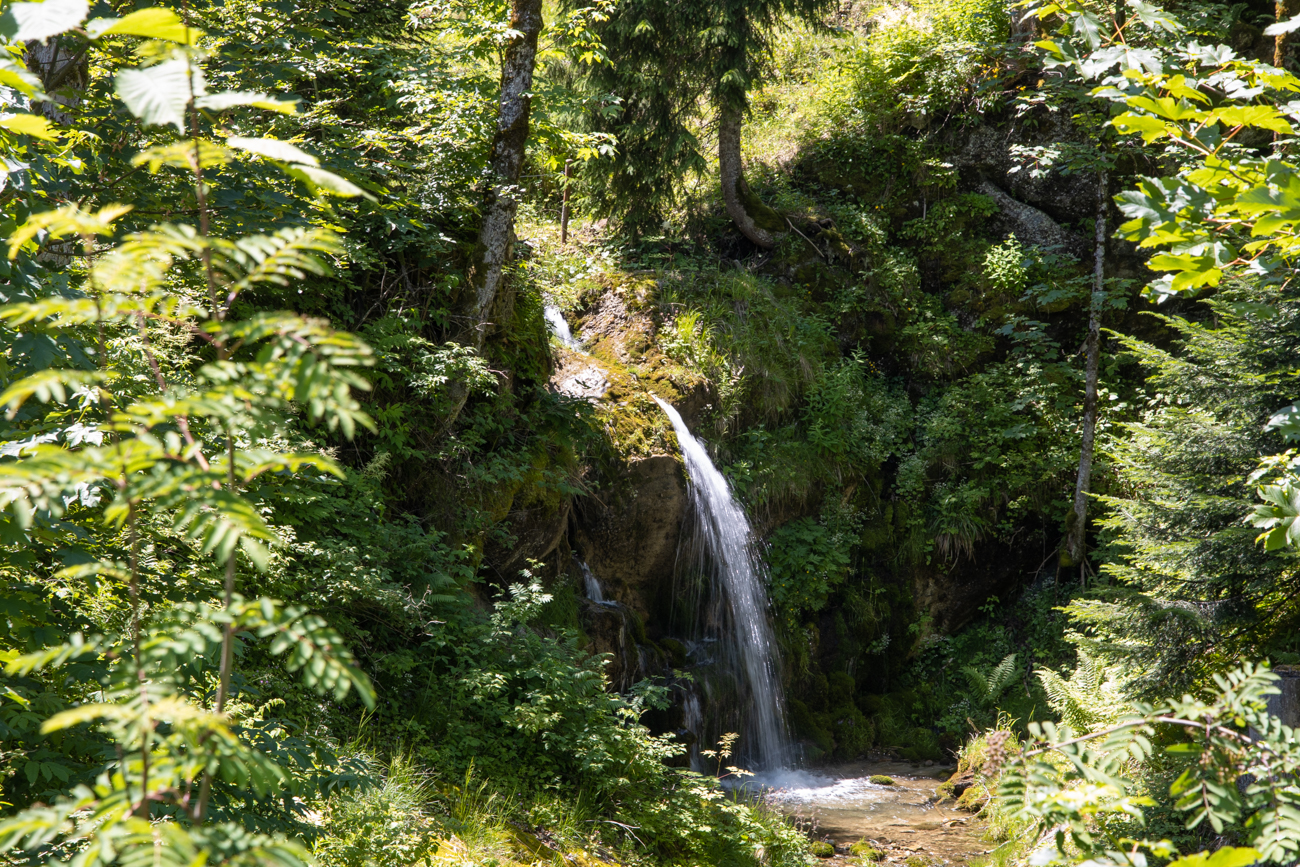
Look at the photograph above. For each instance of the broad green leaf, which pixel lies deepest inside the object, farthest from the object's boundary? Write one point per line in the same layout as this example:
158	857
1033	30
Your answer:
252	99
159	94
1261	116
1228	856
1151	128
23	22
14	74
154	22
1286	421
28	124
326	182
275	149
1283	27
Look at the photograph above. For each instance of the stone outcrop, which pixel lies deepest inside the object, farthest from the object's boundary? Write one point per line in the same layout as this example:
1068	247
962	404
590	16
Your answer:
1032	226
629	536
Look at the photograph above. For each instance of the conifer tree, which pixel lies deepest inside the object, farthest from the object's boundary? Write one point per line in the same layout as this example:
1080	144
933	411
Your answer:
670	59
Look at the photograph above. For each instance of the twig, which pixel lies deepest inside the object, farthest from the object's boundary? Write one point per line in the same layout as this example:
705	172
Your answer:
805	237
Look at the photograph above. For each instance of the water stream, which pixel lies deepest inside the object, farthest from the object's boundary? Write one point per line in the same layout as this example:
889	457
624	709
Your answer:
745	635
905	818
558	326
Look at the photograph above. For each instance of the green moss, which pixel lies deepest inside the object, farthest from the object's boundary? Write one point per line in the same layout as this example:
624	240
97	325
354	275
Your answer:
676	651
881	780
810	726
854	733
841	686
821	849
866	851
763	216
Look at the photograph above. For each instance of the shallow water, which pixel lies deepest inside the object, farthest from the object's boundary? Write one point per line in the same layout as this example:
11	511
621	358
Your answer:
904	819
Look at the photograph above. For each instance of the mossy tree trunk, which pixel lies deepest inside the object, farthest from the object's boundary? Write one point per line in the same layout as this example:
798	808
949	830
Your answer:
1076	538
756	221
488	290
1284	10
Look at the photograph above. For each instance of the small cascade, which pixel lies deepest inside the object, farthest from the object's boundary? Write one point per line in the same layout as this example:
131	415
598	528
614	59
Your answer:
745	642
558	326
693	719
591	586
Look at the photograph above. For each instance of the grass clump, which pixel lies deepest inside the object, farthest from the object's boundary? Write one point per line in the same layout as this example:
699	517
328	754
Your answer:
881	780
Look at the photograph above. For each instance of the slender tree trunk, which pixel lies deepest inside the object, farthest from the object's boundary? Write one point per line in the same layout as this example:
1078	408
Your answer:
756	221
1284	10
1075	541
496	234
497	231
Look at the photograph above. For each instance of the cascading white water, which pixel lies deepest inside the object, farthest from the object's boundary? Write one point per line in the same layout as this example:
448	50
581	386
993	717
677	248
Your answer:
560	327
738	569
590	584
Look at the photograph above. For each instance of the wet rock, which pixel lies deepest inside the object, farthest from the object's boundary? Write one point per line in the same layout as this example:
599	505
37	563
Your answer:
1286	705
580	376
957	784
628	533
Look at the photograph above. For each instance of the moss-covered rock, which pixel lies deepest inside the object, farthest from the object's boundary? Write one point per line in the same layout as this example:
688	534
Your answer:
866	850
881	780
822	849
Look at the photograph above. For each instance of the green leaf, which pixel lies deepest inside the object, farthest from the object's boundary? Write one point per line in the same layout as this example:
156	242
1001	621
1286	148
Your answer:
23	22
1228	856
326	182
1151	128
154	22
274	149
252	99
46	386
28	124
1286	421
159	94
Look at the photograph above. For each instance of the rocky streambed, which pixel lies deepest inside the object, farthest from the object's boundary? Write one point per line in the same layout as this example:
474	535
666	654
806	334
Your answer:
905	821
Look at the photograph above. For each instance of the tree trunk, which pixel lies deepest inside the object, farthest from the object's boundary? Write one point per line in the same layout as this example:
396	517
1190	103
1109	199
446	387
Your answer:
496	234
756	221
64	73
1284	10
1078	524
501	202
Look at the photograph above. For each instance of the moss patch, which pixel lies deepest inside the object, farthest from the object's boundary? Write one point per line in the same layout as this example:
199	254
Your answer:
865	850
821	849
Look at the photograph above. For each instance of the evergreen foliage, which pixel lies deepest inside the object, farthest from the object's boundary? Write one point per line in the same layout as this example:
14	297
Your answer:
1192	591
673	60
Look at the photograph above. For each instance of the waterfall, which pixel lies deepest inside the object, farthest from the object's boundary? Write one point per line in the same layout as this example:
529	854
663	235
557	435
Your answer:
737	571
591	585
559	327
